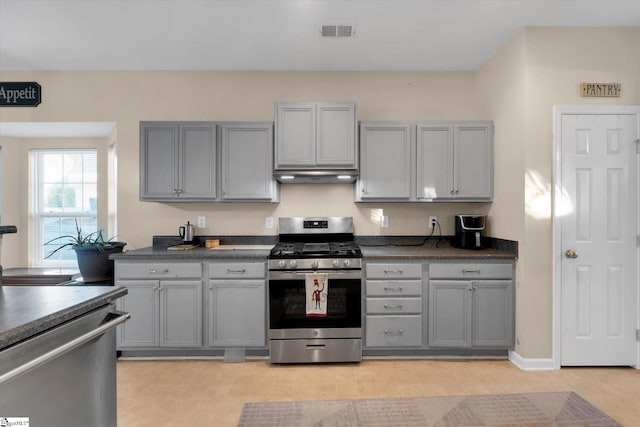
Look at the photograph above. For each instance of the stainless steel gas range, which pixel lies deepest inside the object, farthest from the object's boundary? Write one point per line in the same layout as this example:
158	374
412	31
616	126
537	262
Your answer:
315	292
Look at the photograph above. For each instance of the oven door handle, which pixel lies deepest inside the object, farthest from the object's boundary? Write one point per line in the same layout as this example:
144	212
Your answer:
301	274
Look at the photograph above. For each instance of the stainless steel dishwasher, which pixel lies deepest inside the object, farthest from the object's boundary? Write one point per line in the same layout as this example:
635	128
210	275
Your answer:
65	376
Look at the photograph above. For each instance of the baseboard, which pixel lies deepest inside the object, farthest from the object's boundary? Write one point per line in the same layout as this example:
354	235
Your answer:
530	364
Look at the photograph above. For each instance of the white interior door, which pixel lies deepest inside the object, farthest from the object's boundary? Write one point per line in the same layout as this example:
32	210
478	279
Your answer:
598	239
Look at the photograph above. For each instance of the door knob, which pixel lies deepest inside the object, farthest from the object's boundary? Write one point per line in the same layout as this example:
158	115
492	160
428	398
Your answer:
570	253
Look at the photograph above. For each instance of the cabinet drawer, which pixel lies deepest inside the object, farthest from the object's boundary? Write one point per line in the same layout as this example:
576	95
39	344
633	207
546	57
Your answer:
158	270
394	305
470	271
237	270
393	331
394	288
394	271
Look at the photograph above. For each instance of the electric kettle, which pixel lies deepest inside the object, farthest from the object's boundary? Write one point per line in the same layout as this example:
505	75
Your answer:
187	232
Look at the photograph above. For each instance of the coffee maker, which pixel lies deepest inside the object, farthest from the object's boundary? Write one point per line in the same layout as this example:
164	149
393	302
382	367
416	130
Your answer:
469	231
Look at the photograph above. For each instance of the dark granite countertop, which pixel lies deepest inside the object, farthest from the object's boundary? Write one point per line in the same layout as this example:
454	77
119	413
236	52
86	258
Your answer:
373	247
224	252
8	229
431	252
26	311
433	248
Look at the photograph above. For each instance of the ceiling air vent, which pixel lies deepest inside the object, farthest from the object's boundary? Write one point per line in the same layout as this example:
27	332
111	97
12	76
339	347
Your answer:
337	31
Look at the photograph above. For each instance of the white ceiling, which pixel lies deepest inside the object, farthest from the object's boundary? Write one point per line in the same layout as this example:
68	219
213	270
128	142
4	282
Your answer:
279	34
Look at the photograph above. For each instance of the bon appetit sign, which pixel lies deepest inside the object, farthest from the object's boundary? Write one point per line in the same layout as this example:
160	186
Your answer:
20	94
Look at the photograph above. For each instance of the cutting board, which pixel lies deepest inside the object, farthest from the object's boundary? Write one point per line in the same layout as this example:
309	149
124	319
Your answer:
241	247
181	247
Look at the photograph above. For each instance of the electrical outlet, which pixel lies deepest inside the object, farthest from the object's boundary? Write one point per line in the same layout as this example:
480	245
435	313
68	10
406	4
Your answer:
202	222
268	223
433	222
384	221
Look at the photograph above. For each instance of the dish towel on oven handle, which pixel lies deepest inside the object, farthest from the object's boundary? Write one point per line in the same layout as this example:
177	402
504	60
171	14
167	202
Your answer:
317	289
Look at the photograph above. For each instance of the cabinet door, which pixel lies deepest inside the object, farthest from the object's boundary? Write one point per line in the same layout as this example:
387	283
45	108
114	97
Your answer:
473	164
435	162
142	330
198	162
493	316
181	313
295	135
449	313
336	135
237	313
385	162
247	163
159	161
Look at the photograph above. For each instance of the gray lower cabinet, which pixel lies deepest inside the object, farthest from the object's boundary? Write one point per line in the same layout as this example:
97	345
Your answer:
393	305
237	304
471	305
177	161
247	162
165	302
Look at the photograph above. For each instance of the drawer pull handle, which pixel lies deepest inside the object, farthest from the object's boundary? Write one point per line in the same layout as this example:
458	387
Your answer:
392	271
242	271
153	271
398	289
393	332
393	307
471	271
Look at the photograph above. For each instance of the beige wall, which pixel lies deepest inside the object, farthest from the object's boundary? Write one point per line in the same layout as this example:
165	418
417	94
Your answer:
129	97
517	88
542	68
500	85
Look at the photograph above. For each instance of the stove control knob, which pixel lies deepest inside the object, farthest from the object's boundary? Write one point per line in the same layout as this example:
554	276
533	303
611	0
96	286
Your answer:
347	263
314	263
282	264
335	263
293	263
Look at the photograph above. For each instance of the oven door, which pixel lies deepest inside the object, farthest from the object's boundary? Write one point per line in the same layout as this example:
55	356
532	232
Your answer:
287	306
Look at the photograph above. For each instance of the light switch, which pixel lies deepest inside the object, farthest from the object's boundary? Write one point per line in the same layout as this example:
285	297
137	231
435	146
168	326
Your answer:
384	221
269	222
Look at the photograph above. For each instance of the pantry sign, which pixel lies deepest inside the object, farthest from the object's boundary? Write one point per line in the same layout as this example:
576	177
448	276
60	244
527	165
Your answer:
20	94
600	89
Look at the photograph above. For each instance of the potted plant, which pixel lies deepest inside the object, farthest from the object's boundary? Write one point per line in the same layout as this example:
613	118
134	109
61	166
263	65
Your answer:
92	253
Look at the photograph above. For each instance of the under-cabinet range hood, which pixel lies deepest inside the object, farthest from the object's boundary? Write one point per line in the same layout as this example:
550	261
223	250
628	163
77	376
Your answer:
316	176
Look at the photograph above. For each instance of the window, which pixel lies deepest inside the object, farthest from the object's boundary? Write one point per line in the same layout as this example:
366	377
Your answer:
65	192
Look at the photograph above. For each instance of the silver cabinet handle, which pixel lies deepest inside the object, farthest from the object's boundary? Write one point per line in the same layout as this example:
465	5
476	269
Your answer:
153	271
242	271
64	348
393	271
464	270
393	331
393	307
398	289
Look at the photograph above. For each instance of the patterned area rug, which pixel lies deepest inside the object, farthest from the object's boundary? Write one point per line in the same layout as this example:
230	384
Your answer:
531	409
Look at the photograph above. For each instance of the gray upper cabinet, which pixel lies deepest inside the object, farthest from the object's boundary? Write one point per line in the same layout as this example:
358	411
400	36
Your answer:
177	161
385	169
314	134
247	162
455	161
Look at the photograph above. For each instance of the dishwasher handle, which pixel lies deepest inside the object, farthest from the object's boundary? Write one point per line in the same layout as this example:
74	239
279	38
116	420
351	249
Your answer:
66	347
